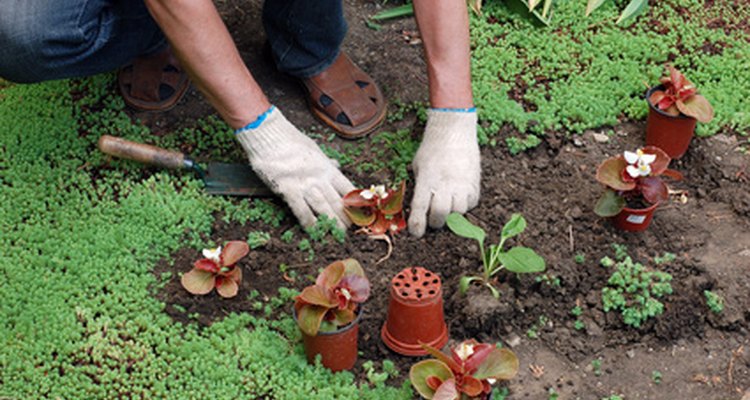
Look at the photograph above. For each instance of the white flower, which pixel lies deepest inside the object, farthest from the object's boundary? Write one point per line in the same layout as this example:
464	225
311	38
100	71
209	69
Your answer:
491	381
346	293
464	350
373	191
639	163
213	254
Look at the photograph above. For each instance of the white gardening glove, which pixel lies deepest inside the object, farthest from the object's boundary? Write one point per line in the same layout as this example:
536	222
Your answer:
292	166
446	167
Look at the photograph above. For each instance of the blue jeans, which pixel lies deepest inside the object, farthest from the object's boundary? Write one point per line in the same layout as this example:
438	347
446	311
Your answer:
44	39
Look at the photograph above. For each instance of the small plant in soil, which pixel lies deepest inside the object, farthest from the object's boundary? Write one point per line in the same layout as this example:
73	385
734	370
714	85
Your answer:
518	259
656	377
714	302
680	96
468	372
633	179
218	269
332	302
596	365
635	290
379	212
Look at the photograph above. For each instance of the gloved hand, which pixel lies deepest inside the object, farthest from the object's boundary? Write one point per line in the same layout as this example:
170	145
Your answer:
446	167
295	168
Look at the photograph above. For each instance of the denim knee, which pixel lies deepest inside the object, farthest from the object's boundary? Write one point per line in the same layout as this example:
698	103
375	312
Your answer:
73	38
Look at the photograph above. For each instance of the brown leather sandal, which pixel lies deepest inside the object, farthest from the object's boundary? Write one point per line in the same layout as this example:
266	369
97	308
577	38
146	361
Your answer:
346	99
154	83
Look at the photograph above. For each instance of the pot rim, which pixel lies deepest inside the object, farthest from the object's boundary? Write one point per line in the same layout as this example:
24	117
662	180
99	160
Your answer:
360	309
653	107
647	209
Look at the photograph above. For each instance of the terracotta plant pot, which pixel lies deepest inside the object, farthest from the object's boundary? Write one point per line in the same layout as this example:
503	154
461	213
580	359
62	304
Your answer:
337	349
669	133
634	219
415	313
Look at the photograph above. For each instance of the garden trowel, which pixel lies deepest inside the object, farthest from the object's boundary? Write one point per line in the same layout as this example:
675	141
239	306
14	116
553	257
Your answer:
219	179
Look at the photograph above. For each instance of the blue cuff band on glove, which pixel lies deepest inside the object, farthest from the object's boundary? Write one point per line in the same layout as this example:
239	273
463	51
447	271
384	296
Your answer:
258	121
461	110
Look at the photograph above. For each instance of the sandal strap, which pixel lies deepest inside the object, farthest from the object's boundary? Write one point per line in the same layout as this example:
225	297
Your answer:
340	84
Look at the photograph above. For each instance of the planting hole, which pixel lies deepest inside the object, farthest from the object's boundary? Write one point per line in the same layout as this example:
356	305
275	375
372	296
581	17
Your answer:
404	294
407	285
400	277
419	295
432	292
397	284
414	278
425	283
435	281
427	274
413	270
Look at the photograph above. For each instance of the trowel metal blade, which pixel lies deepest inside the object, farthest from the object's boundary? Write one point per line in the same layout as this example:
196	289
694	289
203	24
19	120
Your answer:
234	180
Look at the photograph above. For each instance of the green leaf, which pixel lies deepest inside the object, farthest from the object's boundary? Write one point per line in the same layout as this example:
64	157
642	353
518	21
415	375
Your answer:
464	282
422	370
309	318
494	291
396	12
501	364
461	226
593	5
513	227
317	295
632	10
522	260
394	203
610	204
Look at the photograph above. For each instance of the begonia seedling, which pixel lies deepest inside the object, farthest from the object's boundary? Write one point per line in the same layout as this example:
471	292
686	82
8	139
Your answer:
681	96
468	372
379	212
633	176
332	302
218	269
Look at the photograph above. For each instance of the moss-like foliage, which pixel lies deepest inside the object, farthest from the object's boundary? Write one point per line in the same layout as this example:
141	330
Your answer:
586	72
80	237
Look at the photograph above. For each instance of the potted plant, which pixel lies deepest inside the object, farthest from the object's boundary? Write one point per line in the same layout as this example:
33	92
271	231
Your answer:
674	108
328	314
415	313
218	269
378	212
468	372
634	187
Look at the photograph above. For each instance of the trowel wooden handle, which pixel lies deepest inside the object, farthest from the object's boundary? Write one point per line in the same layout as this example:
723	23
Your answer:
143	153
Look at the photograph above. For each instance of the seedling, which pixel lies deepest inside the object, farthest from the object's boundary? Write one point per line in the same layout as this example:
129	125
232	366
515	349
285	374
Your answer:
258	239
634	290
580	258
656	376
633	177
596	365
518	259
577	312
714	302
553	281
378	212
217	270
332	301
468	372
680	96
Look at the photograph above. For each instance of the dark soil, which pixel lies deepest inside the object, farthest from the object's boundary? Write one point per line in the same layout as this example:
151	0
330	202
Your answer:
700	355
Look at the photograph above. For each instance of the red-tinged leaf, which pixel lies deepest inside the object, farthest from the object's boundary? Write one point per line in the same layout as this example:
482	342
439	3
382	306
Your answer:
654	190
355	200
317	295
698	107
394	202
331	275
675	77
309	318
207	265
672	174
433	382
447	391
361	216
198	281
343	317
481	351
471	386
432	370
233	252
235	274
500	364
662	160
672	110
447	360
358	287
226	287
380	226
398	223
656	97
352	267
665	103
610	173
